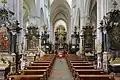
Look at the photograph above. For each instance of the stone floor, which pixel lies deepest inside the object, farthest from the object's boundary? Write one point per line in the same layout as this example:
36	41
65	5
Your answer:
60	70
117	78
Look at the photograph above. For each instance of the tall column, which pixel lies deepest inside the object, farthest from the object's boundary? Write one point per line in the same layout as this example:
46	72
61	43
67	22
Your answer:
105	61
69	30
99	61
98	37
21	25
82	22
37	2
17	9
102	9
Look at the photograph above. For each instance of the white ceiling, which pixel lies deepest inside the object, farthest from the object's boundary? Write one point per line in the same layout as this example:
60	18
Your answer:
60	10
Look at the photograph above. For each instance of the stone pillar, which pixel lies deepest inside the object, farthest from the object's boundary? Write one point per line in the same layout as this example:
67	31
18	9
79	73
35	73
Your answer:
99	61
105	61
99	34
69	30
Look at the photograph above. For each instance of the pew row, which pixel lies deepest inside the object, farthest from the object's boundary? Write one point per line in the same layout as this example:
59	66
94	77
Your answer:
95	77
35	72
85	70
42	66
27	77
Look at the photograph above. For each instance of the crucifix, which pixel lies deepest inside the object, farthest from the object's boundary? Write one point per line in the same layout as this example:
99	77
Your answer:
114	4
4	2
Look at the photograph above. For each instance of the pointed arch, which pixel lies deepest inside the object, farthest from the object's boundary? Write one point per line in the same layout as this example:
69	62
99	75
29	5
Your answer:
42	17
58	23
26	11
78	18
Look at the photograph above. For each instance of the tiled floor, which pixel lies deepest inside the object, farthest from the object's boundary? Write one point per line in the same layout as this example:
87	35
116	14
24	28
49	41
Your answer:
60	71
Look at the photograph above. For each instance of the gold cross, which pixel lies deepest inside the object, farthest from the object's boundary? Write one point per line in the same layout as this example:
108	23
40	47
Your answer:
45	28
115	4
4	2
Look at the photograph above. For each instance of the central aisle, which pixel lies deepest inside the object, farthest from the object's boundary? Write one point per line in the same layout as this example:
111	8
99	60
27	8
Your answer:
60	70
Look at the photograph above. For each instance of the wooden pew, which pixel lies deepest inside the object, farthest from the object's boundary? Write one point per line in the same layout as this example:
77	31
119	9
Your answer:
40	64
35	72
77	61
72	59
81	67
39	68
89	71
47	60
27	77
95	77
81	64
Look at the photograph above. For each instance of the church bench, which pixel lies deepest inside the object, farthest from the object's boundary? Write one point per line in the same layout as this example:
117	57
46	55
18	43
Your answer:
42	61
95	77
40	64
39	68
87	72
49	62
78	64
78	61
74	59
35	72
81	67
72	63
46	59
81	64
27	77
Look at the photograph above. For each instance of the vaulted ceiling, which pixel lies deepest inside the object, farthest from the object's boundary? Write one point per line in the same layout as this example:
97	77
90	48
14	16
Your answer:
27	6
60	10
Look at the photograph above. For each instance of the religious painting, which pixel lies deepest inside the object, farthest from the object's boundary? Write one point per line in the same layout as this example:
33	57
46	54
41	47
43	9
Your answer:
88	39
114	38
113	30
3	39
32	39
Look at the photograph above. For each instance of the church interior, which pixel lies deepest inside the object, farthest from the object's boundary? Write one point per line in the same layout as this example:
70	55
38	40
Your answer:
59	39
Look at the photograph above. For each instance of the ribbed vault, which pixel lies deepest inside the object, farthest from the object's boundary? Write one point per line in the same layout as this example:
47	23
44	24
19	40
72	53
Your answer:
60	10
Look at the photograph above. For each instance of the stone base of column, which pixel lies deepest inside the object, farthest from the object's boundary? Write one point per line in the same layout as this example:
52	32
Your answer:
105	61
99	60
